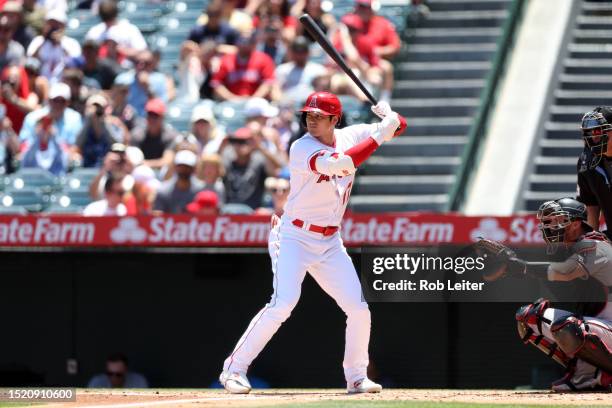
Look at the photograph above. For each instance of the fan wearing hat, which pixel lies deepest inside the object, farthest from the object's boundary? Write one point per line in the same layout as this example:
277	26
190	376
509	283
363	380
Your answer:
23	34
53	48
155	137
259	115
175	194
205	203
99	132
67	122
595	166
247	165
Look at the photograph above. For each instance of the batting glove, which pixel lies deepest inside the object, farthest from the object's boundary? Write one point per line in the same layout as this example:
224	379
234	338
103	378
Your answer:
381	109
385	130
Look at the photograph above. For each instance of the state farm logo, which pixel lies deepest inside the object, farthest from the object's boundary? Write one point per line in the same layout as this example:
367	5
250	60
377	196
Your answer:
401	229
128	230
488	228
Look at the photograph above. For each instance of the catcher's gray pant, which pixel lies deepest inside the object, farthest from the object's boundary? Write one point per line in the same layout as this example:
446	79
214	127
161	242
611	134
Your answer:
561	335
295	251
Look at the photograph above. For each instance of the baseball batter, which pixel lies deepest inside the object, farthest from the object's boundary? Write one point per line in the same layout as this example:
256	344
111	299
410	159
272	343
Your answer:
307	239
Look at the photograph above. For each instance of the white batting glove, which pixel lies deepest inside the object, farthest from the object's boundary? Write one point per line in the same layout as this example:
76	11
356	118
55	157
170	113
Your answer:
381	109
385	130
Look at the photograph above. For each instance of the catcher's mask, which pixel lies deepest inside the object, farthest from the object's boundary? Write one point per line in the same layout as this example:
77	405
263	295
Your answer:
556	215
595	130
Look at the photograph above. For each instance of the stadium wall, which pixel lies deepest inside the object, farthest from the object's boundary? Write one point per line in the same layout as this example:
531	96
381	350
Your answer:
178	315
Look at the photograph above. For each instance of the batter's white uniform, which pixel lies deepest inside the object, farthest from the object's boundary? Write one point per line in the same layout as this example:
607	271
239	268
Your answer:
315	200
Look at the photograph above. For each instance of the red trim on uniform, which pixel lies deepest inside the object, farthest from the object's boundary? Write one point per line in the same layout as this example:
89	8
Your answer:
402	126
312	161
362	151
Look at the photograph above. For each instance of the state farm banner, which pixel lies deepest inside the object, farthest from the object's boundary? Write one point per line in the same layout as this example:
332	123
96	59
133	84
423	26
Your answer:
392	229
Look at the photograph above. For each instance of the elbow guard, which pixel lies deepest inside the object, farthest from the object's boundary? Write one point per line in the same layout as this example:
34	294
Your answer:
334	164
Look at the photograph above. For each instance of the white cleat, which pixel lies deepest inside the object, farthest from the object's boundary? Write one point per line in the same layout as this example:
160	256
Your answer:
235	383
364	385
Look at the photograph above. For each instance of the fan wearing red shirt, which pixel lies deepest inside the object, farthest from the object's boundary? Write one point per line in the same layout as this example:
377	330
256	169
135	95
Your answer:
386	41
380	30
358	50
248	73
16	96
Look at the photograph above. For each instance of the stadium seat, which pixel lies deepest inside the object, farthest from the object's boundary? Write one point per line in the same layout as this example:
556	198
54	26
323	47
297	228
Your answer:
14	210
31	198
73	183
60	209
229	115
354	110
72	198
86	175
32	177
236	209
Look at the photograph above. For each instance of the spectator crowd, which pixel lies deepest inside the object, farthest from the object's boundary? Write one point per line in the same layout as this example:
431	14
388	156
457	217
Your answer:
102	102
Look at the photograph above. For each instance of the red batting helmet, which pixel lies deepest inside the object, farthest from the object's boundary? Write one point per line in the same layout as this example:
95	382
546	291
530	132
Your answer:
323	102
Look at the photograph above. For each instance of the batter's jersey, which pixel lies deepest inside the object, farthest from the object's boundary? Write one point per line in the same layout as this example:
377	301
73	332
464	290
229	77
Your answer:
317	198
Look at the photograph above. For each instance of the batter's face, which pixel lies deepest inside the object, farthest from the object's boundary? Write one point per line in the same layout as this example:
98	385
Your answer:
320	125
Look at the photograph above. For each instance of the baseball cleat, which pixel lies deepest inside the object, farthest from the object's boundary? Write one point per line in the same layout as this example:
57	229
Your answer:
235	383
572	383
364	385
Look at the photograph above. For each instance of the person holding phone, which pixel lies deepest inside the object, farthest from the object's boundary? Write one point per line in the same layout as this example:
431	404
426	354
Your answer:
99	132
16	96
53	48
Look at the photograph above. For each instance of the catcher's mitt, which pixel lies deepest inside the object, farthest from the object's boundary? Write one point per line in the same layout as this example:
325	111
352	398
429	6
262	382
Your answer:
497	258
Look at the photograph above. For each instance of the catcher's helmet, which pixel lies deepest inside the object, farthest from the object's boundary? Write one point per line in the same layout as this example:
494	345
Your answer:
556	215
595	127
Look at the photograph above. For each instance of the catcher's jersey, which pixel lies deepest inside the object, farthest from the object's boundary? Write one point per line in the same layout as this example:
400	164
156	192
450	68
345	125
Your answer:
596	256
317	198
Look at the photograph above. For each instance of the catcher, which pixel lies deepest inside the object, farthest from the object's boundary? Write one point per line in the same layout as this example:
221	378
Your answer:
580	342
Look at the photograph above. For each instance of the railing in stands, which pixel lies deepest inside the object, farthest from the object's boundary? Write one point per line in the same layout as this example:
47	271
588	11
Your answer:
478	130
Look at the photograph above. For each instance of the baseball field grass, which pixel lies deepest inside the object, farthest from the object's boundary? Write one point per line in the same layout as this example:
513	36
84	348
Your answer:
326	398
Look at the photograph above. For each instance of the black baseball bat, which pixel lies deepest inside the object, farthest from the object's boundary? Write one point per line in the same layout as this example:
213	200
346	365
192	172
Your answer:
315	31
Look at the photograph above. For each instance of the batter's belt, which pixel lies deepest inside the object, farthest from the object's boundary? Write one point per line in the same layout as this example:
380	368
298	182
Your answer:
325	231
